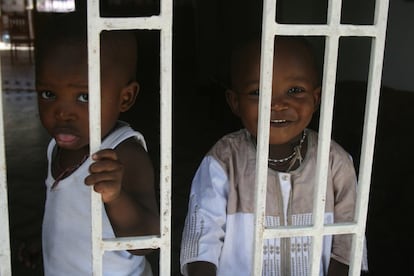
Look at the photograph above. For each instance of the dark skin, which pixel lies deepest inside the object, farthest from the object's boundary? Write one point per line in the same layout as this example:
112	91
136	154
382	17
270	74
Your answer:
114	175
123	176
295	97
201	269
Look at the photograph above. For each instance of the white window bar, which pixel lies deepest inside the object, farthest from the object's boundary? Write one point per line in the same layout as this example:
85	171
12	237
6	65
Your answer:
5	260
162	22
333	30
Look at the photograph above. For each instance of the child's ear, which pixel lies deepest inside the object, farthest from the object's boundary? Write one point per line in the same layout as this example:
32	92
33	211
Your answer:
233	101
128	95
317	97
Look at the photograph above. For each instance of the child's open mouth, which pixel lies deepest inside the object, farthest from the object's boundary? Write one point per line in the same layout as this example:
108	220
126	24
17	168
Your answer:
278	123
65	139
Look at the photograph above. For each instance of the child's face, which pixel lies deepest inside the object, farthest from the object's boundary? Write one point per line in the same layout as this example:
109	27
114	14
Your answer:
62	85
295	93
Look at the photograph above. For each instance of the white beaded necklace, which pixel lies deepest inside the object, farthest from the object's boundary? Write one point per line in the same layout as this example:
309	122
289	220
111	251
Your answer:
296	153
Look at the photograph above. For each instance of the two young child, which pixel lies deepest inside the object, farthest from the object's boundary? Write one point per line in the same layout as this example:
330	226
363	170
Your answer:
218	233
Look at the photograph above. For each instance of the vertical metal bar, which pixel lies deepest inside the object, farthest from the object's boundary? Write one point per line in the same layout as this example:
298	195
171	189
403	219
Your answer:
368	138
166	136
325	128
163	23
5	260
266	74
94	84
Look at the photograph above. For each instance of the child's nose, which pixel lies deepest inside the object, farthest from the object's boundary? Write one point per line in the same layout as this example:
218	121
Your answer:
279	103
64	113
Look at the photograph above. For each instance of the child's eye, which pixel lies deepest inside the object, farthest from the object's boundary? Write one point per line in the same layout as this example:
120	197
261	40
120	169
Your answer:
46	95
295	90
84	97
254	93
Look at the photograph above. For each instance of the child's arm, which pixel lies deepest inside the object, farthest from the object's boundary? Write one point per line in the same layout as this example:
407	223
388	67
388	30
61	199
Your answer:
337	269
205	224
201	269
125	179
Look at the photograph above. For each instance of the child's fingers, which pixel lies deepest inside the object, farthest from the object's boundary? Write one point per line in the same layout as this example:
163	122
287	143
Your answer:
105	165
107	177
109	189
105	187
108	184
105	174
105	154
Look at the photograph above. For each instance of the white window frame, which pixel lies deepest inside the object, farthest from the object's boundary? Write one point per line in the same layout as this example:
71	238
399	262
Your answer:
333	30
162	22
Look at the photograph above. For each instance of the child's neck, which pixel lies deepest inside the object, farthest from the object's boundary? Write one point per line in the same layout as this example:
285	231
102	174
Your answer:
289	156
65	159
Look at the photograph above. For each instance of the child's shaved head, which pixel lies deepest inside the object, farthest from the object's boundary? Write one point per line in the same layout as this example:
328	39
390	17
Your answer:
119	54
251	47
118	48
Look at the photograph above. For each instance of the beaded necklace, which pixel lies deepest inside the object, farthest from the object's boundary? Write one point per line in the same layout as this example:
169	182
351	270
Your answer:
296	152
295	156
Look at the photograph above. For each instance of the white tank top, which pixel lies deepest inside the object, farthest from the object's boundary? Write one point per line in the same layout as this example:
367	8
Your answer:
66	233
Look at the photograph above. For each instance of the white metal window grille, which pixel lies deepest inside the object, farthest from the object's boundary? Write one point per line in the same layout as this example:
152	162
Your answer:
333	30
5	260
162	22
96	24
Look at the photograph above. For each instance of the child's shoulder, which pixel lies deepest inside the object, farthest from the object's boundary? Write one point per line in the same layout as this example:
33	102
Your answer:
336	151
123	133
233	146
234	150
233	141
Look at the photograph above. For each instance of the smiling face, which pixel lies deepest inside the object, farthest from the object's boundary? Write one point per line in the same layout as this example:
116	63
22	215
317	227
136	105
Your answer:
62	86
295	90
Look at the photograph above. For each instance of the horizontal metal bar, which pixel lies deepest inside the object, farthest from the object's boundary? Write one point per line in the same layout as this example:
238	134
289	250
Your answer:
143	23
128	243
299	231
326	30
